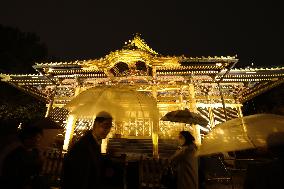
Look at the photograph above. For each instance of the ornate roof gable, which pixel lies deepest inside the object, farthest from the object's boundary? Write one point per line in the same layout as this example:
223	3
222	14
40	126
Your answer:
139	43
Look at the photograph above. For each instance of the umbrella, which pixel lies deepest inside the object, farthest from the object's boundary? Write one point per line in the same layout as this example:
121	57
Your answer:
243	133
185	116
122	102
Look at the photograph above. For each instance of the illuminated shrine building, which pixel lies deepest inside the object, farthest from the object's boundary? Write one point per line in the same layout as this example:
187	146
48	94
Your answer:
210	86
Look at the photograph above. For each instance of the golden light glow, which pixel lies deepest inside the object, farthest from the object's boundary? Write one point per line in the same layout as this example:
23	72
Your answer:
155	142
104	146
69	131
175	81
155	139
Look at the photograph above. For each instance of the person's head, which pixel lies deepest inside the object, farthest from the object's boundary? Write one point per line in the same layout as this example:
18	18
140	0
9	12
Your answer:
30	135
185	138
102	125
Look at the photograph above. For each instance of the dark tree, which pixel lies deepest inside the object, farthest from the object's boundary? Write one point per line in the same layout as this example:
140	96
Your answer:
18	52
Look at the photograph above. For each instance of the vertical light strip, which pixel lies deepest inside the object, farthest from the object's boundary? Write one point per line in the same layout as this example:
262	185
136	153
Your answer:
104	146
69	128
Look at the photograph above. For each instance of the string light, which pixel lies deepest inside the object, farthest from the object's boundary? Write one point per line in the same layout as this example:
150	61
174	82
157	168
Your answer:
171	74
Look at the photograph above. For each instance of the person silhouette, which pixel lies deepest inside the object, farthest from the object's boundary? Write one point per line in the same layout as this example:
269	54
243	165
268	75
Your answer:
83	165
185	161
22	166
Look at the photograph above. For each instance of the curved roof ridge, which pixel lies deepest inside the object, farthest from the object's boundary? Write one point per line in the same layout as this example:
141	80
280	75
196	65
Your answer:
140	43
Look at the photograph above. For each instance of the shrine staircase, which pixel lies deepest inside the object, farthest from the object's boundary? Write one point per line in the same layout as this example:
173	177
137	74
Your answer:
138	147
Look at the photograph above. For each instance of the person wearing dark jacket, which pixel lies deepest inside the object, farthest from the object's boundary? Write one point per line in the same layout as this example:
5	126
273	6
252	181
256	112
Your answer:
83	164
186	163
21	167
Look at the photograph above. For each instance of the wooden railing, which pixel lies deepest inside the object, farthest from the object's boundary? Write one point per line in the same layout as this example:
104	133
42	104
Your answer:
52	167
150	172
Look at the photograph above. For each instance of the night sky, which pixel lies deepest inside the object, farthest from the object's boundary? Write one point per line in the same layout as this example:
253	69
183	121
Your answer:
84	29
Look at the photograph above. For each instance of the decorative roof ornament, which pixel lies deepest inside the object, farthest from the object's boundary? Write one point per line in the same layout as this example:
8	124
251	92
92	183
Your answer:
139	43
5	77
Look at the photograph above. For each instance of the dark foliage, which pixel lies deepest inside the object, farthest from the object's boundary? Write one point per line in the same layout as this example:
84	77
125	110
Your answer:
18	106
18	52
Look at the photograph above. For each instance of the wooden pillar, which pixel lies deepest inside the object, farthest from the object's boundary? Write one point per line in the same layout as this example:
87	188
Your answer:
50	104
181	100
70	126
193	108
154	72
49	107
155	127
238	106
240	112
182	106
155	139
77	90
210	113
211	117
223	101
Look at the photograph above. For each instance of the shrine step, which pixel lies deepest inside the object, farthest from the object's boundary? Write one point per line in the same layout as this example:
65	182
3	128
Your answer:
130	147
119	146
167	147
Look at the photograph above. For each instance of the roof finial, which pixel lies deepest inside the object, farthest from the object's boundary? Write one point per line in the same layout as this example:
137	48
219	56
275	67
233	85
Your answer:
139	43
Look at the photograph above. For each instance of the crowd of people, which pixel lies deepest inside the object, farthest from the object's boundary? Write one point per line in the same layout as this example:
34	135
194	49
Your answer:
85	167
